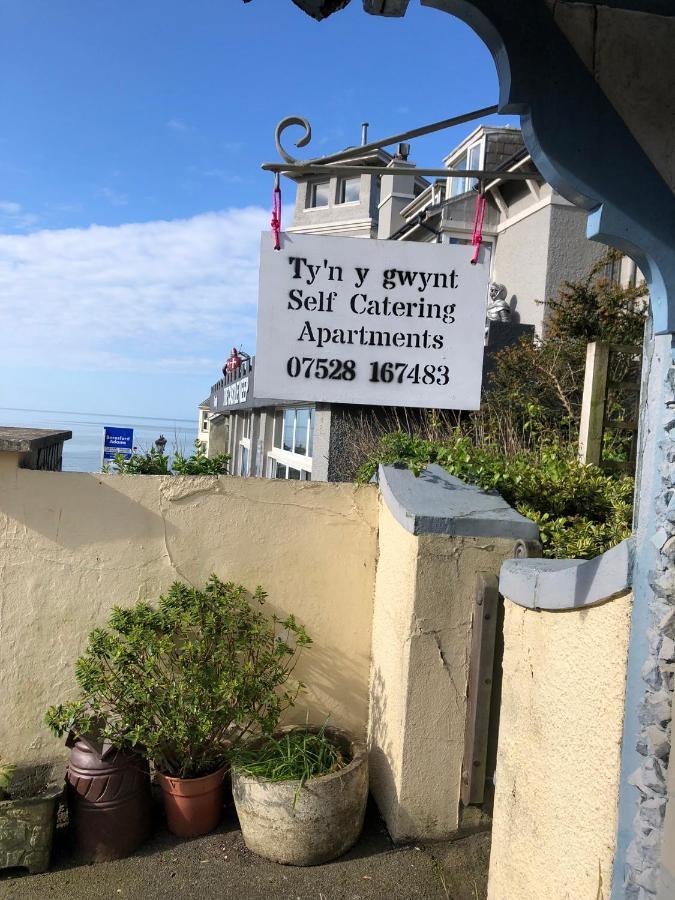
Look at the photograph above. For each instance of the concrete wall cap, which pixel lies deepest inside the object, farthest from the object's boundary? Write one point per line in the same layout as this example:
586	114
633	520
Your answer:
559	584
438	503
25	440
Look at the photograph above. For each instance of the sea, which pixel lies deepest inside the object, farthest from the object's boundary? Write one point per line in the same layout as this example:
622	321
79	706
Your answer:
83	452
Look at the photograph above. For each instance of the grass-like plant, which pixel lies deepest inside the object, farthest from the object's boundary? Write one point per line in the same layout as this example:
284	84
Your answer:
184	682
294	756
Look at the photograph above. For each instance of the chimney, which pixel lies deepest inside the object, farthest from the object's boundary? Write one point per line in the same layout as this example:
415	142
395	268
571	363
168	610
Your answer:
364	133
396	192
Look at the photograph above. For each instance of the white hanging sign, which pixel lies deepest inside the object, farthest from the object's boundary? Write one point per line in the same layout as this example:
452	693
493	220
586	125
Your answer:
383	323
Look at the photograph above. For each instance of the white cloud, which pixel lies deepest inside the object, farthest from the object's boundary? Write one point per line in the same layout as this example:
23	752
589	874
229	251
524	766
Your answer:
14	218
158	296
114	198
177	125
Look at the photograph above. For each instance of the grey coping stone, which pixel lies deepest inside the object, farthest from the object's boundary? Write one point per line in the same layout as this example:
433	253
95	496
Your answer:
25	440
558	584
438	503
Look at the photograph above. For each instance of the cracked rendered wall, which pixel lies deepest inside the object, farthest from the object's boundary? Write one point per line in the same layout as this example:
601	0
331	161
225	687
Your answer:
424	594
558	760
74	544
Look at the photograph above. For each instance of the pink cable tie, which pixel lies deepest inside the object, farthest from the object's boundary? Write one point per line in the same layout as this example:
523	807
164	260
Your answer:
478	218
276	216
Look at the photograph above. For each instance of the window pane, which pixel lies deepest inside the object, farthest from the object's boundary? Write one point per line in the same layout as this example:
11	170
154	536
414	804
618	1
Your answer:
474	157
294	474
474	163
310	436
289	419
457	185
279	471
350	190
301	426
319	194
278	427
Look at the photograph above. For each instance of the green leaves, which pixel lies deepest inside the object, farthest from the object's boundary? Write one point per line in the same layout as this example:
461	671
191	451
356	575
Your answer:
185	680
296	756
6	773
199	463
580	510
154	462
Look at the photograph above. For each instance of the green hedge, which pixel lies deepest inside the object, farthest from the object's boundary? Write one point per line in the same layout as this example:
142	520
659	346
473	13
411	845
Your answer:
580	510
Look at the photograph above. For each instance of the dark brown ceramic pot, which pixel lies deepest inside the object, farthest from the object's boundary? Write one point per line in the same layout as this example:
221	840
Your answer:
109	803
194	806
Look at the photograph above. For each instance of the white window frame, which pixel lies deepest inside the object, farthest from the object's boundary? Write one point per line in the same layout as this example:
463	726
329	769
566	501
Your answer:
311	195
341	185
289	458
244	444
465	182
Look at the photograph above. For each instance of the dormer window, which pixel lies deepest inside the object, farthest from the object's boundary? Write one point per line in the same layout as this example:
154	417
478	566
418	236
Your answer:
472	158
318	194
349	190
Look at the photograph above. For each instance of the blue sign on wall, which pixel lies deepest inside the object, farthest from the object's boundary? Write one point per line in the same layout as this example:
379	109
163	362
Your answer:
117	440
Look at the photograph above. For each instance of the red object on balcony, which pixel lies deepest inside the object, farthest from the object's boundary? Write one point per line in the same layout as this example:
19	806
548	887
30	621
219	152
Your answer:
232	363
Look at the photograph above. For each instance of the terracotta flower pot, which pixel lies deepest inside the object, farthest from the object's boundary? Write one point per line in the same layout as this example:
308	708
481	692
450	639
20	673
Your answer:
194	806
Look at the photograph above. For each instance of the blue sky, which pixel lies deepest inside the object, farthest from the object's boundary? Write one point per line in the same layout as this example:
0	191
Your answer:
131	196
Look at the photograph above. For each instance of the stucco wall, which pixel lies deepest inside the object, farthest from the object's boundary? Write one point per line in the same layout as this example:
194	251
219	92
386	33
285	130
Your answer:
74	544
425	589
520	264
557	778
570	254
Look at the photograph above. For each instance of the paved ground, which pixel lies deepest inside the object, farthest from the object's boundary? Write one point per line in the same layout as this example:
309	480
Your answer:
220	866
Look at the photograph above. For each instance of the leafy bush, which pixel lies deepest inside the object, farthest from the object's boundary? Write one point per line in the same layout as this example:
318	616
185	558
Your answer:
536	386
154	462
184	682
199	463
580	510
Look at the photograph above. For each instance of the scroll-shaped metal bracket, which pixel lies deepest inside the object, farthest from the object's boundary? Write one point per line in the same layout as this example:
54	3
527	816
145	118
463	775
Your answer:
348	157
479	693
288	122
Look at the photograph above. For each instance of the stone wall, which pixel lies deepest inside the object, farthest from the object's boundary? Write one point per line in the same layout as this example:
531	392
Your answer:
654	713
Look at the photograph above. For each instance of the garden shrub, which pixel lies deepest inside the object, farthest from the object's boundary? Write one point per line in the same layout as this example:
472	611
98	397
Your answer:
185	681
154	462
580	510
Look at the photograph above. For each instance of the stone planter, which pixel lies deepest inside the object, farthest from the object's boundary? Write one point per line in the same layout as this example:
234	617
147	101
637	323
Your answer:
326	819
28	819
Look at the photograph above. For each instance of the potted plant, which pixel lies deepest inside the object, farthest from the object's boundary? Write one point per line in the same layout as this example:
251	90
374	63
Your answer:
301	794
182	683
28	804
